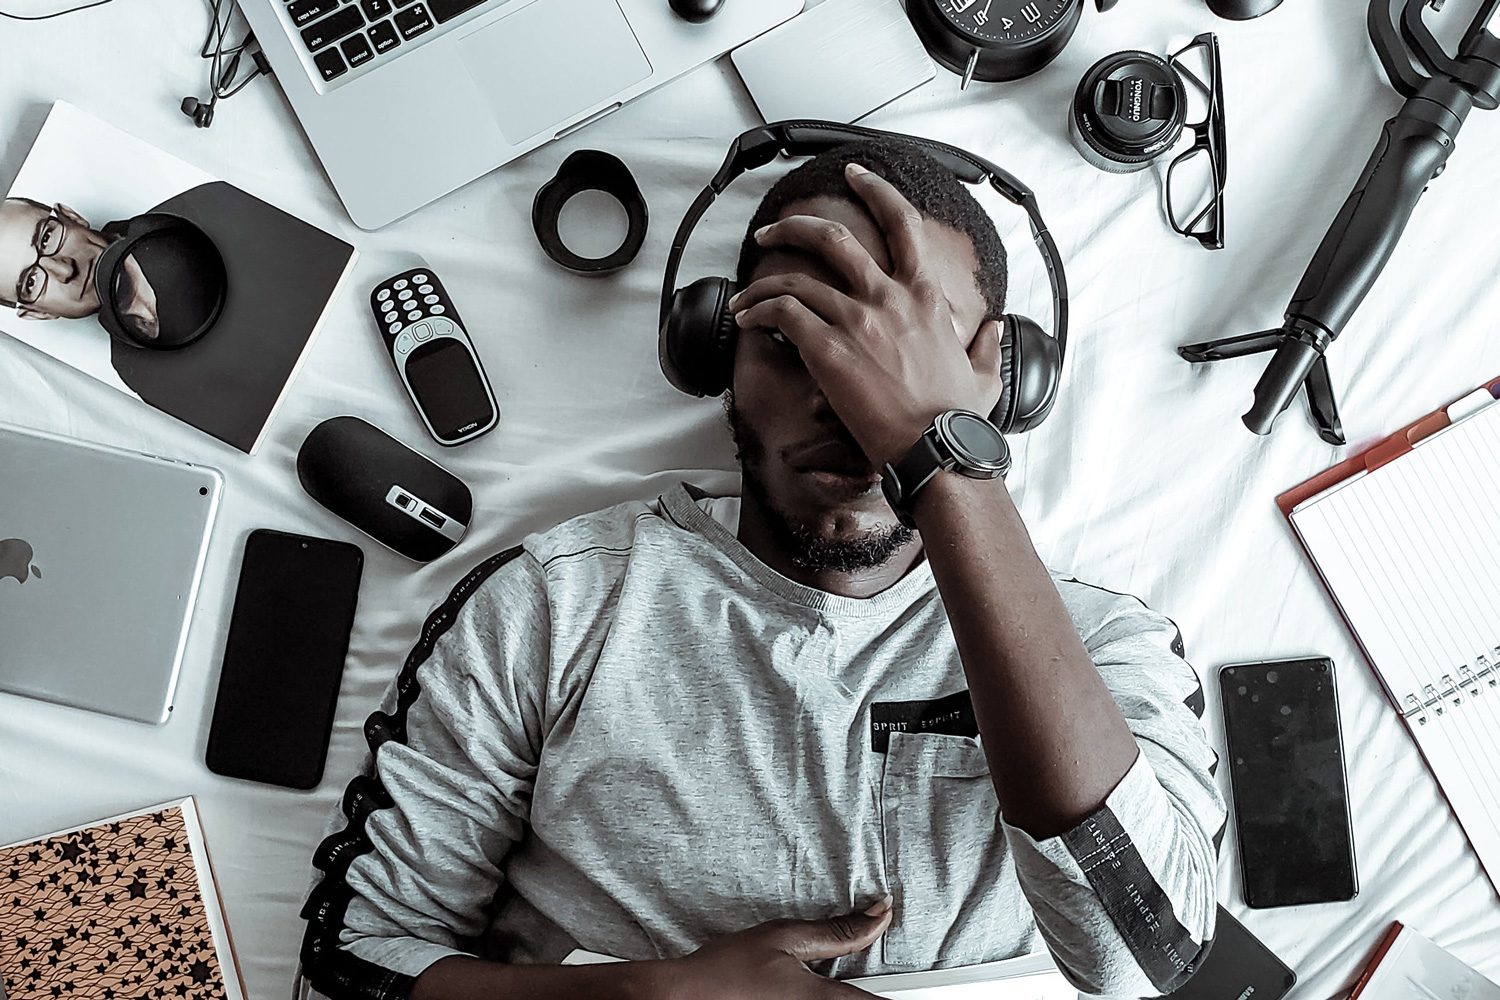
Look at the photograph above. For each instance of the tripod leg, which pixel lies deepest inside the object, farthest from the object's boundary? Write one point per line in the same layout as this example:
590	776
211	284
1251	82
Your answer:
1232	347
1321	403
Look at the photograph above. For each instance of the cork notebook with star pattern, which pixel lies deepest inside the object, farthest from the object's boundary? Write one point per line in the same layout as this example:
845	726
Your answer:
124	909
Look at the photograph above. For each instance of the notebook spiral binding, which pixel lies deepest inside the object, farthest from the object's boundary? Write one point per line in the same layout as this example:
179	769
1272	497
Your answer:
1452	692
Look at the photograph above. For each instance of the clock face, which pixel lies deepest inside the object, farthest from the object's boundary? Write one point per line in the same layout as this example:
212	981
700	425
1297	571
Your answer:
1004	20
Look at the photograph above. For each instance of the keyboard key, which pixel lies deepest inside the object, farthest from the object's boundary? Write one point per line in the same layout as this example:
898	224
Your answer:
447	10
331	29
307	11
357	50
384	37
413	21
330	64
375	9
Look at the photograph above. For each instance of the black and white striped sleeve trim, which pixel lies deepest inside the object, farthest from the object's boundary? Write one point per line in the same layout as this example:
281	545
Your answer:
1195	702
1136	903
331	970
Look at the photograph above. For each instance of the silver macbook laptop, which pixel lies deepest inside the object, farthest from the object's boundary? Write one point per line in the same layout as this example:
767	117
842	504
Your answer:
406	100
101	552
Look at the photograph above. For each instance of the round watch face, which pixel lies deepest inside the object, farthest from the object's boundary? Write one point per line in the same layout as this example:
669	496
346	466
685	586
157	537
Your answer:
974	440
1004	20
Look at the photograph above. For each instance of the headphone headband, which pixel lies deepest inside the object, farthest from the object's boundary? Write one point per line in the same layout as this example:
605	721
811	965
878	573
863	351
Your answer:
759	146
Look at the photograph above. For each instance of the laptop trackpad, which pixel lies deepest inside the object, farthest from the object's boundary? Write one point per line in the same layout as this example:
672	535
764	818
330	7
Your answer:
552	59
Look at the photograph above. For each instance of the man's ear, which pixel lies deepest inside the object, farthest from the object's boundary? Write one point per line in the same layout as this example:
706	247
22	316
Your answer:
68	215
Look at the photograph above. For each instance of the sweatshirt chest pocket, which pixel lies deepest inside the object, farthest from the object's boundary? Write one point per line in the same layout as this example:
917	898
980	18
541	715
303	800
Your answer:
949	868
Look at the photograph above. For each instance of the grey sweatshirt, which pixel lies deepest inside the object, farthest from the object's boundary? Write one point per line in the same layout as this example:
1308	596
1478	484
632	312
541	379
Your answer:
630	736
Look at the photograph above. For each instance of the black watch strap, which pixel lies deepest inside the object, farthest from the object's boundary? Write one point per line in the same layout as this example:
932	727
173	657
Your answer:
904	478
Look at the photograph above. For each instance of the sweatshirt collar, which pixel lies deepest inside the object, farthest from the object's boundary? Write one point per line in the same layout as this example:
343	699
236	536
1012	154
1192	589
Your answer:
681	504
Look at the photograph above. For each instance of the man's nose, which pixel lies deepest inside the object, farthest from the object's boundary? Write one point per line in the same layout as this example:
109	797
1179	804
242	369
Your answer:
61	267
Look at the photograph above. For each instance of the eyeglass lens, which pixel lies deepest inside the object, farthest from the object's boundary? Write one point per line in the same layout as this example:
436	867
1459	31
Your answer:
1195	65
52	236
1194	199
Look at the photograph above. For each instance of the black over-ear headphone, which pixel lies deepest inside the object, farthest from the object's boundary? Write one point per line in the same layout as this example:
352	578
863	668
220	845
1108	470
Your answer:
698	333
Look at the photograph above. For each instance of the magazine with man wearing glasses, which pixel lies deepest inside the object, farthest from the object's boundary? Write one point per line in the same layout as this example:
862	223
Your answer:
159	279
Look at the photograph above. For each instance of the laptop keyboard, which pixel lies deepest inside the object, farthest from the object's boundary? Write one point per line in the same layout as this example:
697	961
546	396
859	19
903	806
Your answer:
348	35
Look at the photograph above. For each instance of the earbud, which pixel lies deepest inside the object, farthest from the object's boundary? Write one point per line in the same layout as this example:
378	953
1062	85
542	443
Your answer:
202	114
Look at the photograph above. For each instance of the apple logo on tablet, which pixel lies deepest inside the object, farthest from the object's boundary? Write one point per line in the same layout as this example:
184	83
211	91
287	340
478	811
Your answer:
15	560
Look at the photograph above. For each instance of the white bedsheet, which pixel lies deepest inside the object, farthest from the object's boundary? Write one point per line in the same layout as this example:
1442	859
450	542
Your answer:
1143	480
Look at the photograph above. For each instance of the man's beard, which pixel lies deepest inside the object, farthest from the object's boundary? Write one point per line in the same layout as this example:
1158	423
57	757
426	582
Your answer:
799	539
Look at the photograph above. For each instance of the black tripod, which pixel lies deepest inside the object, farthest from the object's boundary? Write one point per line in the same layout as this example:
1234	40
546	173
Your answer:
1413	149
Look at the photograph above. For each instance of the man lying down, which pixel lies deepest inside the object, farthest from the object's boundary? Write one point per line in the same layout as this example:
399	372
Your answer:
662	731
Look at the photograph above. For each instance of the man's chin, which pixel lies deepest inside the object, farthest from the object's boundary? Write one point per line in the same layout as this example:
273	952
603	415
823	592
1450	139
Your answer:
843	544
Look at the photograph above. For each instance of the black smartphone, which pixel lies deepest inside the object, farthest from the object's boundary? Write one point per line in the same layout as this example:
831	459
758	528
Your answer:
1236	967
1286	772
284	658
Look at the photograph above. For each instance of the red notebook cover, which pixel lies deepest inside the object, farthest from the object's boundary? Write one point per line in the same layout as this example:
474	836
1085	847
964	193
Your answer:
1377	454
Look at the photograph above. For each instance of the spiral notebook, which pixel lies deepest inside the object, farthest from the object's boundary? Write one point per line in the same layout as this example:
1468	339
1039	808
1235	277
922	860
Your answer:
1409	547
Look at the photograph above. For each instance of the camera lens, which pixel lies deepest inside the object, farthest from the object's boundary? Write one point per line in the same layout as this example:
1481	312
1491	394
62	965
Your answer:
1128	110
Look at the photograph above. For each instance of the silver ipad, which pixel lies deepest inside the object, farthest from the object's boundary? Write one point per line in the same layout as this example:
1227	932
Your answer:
101	554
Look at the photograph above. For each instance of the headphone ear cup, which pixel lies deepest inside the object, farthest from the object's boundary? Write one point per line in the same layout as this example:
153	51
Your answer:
1033	370
1000	415
696	344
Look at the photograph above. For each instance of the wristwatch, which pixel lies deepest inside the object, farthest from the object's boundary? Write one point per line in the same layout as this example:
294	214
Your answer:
959	440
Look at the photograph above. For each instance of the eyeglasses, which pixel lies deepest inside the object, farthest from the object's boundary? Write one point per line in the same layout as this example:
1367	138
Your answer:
1194	192
47	241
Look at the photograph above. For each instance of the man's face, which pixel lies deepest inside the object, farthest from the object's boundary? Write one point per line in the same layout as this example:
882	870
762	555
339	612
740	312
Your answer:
799	461
69	291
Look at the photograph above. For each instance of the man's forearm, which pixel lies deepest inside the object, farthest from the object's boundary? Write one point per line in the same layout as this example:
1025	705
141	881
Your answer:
460	977
1055	739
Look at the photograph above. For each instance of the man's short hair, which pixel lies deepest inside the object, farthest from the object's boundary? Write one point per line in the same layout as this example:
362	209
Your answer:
931	188
6	300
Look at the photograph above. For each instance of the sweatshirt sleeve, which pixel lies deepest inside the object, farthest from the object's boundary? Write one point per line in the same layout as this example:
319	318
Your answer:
445	793
1127	899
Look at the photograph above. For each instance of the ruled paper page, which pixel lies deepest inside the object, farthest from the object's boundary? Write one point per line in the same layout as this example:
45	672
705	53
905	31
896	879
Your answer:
1411	553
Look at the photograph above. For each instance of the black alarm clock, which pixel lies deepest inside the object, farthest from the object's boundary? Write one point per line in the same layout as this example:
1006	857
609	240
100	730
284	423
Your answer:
995	40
